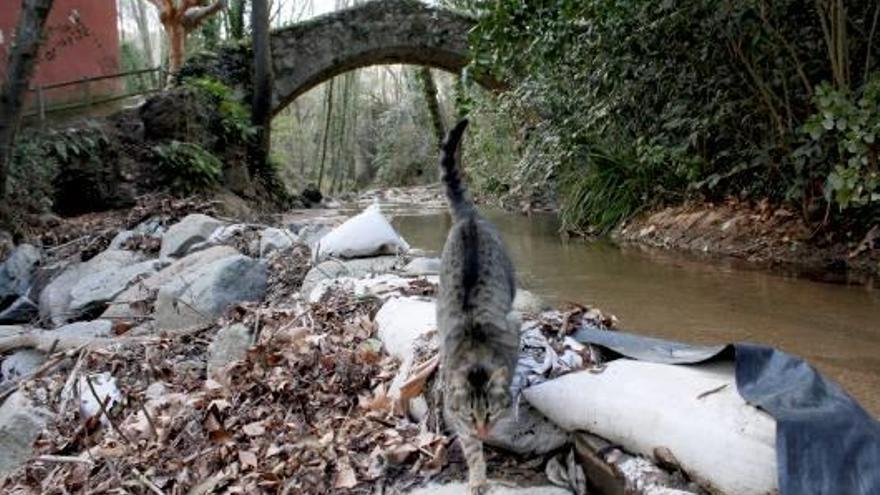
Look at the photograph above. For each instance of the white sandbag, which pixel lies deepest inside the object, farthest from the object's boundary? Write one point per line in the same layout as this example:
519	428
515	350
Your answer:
694	411
401	320
366	234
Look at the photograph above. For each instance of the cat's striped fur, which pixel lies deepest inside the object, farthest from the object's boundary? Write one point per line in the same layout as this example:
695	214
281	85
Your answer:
479	336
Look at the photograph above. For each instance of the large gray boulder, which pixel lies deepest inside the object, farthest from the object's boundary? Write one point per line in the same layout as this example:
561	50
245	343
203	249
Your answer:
99	288
55	299
126	305
203	294
192	230
230	344
16	273
20	425
356	268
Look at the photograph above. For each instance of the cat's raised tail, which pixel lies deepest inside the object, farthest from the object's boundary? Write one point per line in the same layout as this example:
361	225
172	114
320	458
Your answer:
461	205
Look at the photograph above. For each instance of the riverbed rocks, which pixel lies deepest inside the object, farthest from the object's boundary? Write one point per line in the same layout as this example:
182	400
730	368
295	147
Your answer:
135	303
20	363
230	344
84	330
16	280
191	230
272	239
234	357
97	289
200	296
16	273
20	425
56	298
311	234
423	266
356	268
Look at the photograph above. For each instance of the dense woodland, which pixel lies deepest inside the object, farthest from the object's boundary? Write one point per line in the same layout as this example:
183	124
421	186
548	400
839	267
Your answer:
613	107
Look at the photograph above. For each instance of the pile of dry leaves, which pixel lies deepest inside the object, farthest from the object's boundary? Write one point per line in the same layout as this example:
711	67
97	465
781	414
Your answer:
298	415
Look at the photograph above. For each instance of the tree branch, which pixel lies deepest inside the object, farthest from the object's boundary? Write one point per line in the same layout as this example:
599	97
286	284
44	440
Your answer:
193	16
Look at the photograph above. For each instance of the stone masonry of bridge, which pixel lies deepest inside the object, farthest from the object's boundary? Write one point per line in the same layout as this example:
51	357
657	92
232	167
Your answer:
378	32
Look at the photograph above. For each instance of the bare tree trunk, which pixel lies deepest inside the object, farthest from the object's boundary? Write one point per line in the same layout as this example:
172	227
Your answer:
261	108
429	91
176	46
326	131
20	68
140	17
179	19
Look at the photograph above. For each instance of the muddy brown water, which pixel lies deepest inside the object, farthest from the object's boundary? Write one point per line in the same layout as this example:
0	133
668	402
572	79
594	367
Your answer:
836	327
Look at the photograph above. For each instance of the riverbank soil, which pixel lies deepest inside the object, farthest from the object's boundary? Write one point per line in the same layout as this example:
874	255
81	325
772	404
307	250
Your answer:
762	235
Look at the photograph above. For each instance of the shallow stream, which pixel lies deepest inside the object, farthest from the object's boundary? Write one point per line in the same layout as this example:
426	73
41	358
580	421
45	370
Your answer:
836	327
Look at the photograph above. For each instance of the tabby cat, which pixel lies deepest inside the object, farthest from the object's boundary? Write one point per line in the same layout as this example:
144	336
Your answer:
479	336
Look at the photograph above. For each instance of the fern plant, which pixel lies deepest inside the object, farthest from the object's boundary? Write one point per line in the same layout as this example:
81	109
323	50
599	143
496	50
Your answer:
188	167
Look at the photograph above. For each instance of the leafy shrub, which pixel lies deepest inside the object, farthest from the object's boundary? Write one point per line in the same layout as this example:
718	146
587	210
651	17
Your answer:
235	117
188	167
843	139
718	90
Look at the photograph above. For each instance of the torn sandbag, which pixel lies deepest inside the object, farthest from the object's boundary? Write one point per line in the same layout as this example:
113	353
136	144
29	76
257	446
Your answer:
825	440
691	410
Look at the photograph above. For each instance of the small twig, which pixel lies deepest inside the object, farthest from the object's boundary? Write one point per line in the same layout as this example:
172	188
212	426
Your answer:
146	482
68	384
53	347
712	391
68	243
257	328
104	410
150	421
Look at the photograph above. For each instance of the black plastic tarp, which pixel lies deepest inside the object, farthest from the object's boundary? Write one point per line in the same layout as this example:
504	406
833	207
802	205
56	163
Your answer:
826	443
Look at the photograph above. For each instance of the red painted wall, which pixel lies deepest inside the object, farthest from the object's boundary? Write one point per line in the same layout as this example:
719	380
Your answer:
82	41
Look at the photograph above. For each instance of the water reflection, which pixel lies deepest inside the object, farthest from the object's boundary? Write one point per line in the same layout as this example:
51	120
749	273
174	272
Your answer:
836	327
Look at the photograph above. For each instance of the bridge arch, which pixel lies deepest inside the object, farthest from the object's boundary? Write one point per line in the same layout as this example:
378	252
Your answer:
378	32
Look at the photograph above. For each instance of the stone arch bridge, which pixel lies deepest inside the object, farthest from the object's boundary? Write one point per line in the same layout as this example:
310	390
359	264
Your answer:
377	32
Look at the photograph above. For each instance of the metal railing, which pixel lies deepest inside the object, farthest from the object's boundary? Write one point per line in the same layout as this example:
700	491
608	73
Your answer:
149	81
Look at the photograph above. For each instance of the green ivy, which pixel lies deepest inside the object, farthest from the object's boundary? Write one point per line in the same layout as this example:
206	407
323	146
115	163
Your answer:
235	117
